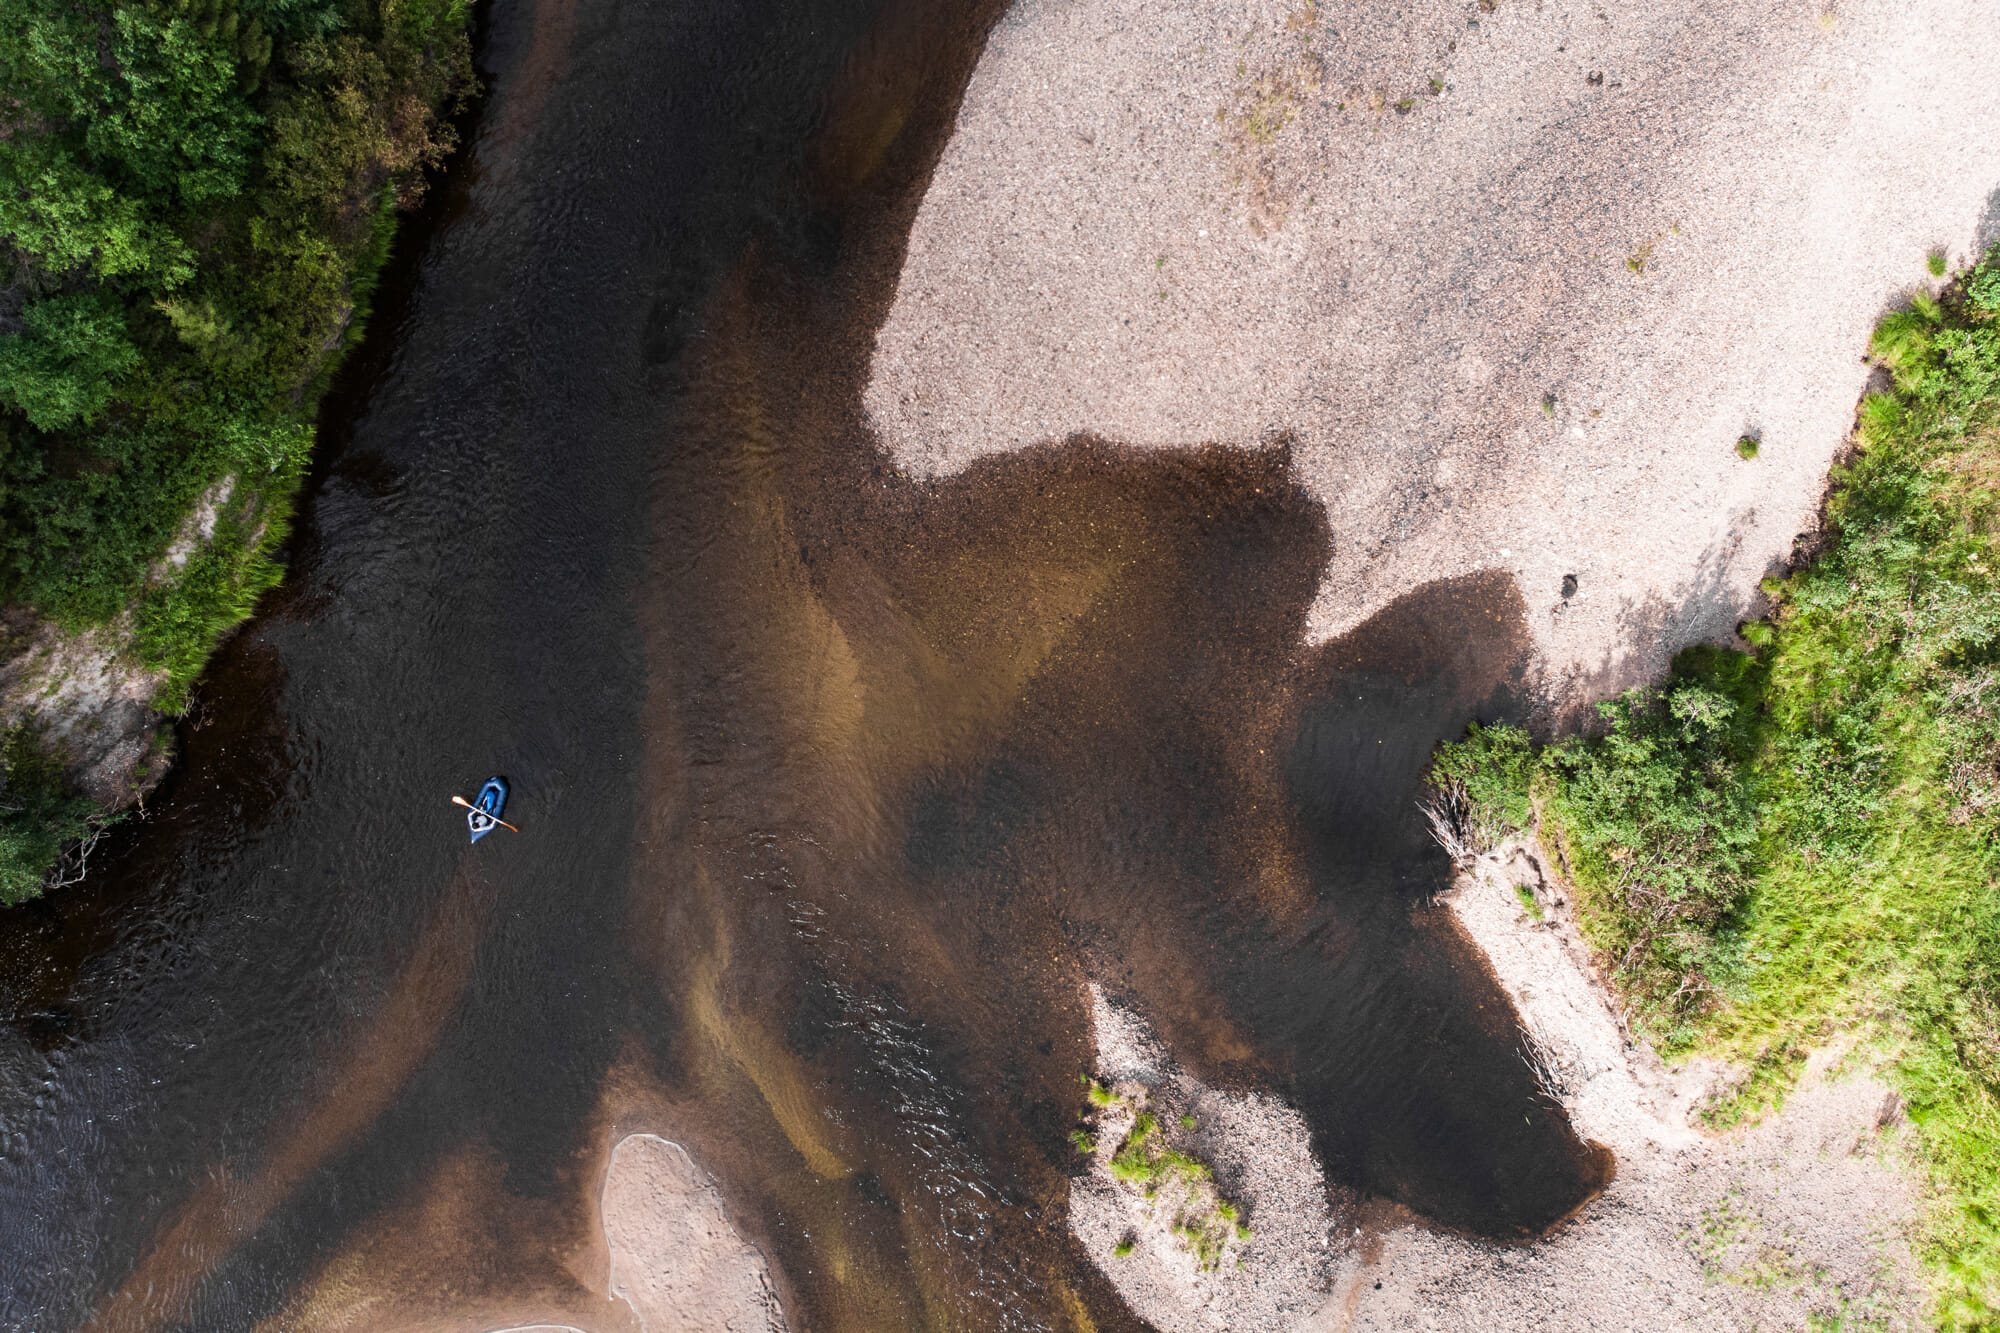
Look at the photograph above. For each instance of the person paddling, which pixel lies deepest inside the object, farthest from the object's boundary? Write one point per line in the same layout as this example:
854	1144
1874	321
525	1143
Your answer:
483	812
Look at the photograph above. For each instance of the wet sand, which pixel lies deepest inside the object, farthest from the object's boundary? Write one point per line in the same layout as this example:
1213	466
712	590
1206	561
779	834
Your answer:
1514	278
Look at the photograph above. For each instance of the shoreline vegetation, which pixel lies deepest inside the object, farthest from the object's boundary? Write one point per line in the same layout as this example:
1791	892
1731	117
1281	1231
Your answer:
1774	848
197	197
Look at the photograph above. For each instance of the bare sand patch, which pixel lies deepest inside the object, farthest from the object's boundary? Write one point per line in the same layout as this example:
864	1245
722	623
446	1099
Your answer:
675	1262
1512	277
675	1258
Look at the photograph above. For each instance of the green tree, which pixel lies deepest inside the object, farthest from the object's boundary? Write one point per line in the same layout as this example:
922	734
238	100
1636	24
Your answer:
64	368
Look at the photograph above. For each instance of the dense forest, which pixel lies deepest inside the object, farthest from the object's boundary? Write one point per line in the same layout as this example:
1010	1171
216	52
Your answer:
196	197
1779	846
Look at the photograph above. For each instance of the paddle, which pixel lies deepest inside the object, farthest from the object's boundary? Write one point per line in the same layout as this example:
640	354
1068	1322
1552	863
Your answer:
460	800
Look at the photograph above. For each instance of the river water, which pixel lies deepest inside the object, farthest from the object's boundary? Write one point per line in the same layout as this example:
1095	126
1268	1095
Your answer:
835	788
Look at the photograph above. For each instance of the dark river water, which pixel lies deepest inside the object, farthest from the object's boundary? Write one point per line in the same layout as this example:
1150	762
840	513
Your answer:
835	788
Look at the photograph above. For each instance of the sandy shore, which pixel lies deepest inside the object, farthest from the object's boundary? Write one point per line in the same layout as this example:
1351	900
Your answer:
1513	277
1807	1215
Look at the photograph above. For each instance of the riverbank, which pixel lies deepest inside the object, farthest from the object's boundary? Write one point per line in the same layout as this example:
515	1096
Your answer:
196	225
1509	281
1584	299
1777	850
1809	1219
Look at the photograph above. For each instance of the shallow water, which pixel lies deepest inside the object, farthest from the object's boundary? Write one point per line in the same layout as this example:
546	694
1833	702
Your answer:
835	788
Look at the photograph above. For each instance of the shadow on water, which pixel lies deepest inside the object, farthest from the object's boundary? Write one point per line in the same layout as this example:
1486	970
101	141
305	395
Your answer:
923	758
839	787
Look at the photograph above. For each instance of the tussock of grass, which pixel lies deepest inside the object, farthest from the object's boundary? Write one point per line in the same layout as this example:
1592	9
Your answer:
1769	847
1167	1176
1529	903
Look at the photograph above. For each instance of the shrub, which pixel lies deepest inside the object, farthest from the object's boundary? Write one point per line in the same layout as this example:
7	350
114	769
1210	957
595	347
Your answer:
1982	289
39	814
1491	771
193	197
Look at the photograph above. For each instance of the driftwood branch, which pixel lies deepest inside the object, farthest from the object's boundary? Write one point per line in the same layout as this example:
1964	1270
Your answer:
1448	811
1550	1071
74	863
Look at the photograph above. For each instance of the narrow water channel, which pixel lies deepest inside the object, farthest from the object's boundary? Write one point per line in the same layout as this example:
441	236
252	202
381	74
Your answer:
835	788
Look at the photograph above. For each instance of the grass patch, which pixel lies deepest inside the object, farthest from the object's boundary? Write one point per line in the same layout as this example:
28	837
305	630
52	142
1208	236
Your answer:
1770	846
1529	903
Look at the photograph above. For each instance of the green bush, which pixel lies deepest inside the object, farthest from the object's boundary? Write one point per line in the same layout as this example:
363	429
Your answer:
39	814
1982	288
1495	766
1655	823
195	195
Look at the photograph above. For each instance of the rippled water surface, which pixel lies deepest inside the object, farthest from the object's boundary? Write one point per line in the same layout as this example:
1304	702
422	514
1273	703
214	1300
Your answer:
835	788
